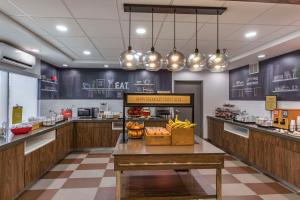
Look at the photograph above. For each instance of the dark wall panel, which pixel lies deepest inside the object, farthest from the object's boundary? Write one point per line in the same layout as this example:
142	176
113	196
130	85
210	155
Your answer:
277	76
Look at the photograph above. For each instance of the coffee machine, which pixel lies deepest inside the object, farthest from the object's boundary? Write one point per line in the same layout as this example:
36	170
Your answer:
282	117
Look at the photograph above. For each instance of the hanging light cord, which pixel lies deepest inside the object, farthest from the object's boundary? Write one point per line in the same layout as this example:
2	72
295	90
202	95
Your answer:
152	48
218	30
174	30
129	47
196	50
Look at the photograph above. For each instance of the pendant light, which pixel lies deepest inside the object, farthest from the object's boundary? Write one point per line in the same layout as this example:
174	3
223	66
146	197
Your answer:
175	60
129	59
218	62
196	61
152	60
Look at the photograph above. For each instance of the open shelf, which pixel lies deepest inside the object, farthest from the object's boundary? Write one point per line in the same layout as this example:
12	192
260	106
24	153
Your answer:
48	90
284	80
282	91
52	82
39	141
167	186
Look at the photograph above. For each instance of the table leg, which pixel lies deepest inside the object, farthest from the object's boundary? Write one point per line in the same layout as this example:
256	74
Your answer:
219	184
118	185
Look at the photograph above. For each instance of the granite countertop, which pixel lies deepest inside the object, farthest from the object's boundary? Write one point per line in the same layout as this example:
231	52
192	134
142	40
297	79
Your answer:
271	131
6	142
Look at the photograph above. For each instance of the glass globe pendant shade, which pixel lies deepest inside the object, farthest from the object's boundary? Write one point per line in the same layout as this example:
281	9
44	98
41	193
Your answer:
129	59
218	62
175	61
196	61
152	60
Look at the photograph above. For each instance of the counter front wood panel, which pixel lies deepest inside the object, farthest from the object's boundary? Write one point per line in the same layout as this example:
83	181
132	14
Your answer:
236	144
11	171
93	135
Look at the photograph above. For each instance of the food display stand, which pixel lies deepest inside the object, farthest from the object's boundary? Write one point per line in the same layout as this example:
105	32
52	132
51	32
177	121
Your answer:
138	166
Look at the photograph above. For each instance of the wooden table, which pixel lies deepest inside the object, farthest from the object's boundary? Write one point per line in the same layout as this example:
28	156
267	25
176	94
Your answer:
135	155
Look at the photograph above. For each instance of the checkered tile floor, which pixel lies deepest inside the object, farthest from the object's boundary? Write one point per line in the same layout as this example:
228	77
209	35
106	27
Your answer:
90	176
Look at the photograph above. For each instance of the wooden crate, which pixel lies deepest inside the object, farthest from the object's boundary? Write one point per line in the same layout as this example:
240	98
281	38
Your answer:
157	140
181	136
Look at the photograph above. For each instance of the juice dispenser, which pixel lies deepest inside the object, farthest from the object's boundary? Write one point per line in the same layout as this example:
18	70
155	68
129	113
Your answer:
282	117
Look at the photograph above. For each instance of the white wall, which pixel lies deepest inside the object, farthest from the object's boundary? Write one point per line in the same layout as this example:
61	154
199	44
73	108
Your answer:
215	90
57	105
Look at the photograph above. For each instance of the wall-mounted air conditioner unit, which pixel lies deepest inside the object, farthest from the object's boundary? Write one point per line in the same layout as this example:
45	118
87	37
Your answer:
16	57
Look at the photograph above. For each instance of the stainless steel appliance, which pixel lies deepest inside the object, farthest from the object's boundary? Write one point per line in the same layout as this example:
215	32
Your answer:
95	112
84	113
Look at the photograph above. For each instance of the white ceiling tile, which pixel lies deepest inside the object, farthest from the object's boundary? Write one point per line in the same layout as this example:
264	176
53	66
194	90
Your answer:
101	28
70	42
110	54
183	30
93	9
167	44
242	12
108	43
42	8
9	9
209	31
32	25
281	14
49	24
262	31
94	53
140	24
280	33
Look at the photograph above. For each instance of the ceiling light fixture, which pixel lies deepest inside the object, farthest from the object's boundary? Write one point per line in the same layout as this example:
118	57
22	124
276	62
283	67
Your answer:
196	61
86	52
65	65
61	28
140	31
152	60
129	59
175	60
251	34
106	66
218	62
261	56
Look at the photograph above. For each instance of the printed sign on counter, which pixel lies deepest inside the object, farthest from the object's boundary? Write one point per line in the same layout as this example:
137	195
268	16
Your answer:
159	99
271	103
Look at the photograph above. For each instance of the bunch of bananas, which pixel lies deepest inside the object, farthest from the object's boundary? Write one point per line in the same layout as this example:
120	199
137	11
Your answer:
180	124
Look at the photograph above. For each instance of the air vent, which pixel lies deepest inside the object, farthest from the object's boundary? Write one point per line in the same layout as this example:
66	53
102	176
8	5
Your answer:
254	68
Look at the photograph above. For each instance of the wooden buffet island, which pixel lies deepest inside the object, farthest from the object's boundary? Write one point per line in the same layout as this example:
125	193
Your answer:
134	155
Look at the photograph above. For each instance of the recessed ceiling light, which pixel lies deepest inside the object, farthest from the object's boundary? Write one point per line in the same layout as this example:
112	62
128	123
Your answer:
65	65
61	28
251	34
35	50
261	56
86	52
140	31
106	66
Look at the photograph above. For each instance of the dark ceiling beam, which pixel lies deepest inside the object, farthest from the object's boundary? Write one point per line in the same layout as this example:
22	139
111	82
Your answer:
148	8
271	1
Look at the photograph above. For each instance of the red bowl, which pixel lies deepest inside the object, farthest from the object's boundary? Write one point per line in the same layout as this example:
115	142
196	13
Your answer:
21	131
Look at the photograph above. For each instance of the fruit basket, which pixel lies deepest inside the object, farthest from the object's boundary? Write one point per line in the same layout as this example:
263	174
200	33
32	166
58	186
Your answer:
157	136
135	130
20	130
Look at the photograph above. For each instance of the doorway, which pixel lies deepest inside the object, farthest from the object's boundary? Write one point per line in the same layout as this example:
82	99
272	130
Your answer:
196	88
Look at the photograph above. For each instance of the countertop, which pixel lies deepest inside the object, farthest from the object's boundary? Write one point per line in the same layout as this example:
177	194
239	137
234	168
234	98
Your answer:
11	140
270	131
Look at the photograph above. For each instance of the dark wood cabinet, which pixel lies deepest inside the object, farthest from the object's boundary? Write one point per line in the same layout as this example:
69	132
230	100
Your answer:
114	137
64	141
93	135
11	171
39	161
215	131
236	145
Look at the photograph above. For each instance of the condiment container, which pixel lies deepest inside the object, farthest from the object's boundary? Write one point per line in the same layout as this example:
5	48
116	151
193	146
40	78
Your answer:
292	125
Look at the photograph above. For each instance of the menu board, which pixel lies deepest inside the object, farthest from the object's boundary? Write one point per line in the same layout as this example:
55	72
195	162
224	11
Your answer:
278	76
111	83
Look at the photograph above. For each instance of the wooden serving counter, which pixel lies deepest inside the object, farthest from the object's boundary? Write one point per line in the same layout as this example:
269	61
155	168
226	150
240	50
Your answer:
134	155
